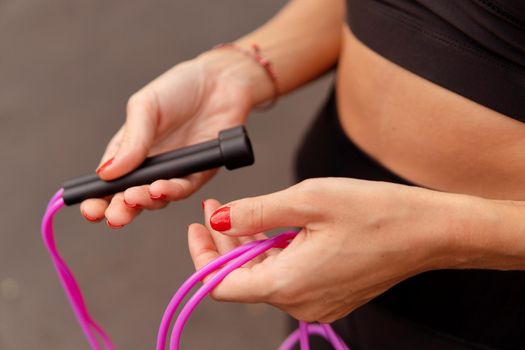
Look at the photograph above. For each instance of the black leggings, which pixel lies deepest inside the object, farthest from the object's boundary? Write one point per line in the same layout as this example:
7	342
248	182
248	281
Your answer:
386	322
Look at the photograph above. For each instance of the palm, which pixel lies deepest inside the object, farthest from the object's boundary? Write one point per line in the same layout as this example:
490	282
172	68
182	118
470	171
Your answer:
192	109
184	106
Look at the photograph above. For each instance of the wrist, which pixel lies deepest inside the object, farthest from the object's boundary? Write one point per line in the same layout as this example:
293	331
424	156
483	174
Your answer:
444	229
233	66
501	239
471	228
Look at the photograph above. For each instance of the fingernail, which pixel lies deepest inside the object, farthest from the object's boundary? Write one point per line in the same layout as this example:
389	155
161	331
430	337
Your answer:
112	226
220	220
156	197
133	206
203	204
105	165
89	218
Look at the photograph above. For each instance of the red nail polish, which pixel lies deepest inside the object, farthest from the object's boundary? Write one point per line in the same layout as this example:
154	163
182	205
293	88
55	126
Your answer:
90	218
105	165
133	206
220	220
156	197
203	204
115	227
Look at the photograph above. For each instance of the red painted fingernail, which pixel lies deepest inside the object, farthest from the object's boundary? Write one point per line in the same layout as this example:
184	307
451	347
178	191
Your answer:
133	206
160	196
105	165
115	227
89	218
220	220
203	204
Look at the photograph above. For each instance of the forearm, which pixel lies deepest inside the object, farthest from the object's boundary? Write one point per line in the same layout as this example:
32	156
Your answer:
302	41
485	234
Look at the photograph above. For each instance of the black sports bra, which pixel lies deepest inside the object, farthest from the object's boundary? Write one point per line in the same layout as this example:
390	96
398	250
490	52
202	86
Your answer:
475	48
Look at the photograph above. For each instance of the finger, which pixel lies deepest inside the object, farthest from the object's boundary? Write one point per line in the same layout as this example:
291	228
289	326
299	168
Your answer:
139	198
223	243
93	209
255	237
112	147
118	214
258	237
180	188
253	215
201	245
247	284
139	133
226	243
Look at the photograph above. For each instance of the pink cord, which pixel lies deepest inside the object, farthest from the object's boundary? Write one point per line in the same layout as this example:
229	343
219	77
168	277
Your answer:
231	261
322	330
303	336
188	285
223	266
90	328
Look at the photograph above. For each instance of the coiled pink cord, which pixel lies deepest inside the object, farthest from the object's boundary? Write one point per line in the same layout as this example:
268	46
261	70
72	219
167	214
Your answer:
223	266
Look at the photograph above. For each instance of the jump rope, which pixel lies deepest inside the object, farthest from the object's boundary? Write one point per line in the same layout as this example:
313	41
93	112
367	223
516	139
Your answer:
233	150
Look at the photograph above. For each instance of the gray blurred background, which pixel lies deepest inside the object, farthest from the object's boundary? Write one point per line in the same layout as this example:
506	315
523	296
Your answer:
66	71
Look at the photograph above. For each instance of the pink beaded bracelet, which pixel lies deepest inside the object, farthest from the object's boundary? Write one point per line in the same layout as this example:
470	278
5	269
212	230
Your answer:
254	52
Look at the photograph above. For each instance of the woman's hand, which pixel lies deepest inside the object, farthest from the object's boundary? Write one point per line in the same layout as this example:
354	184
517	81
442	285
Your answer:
358	239
190	103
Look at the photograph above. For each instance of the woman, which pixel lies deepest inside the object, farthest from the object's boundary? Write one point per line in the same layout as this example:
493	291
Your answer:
428	104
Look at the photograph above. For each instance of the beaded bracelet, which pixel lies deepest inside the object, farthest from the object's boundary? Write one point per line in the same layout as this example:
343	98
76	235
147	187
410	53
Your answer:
254	52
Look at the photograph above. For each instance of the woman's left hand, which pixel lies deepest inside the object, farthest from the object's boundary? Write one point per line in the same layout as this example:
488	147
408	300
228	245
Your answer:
358	239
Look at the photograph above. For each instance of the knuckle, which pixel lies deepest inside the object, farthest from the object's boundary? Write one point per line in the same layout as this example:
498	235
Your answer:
182	188
281	293
135	100
256	213
117	197
217	295
308	186
307	196
302	314
131	192
143	99
131	143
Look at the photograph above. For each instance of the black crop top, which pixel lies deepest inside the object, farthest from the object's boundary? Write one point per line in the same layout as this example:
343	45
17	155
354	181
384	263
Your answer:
475	48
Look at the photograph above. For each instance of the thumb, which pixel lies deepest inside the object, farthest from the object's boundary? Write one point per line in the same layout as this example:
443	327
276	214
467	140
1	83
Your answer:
137	138
253	215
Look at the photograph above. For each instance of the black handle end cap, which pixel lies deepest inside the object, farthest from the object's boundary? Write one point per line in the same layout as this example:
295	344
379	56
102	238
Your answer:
236	148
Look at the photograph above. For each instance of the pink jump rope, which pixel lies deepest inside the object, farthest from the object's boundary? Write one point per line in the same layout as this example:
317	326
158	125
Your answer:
232	149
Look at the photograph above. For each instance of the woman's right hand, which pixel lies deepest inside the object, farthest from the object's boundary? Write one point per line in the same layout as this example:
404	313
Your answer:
188	104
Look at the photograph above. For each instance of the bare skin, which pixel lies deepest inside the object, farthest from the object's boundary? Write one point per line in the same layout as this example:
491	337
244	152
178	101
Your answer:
421	131
425	133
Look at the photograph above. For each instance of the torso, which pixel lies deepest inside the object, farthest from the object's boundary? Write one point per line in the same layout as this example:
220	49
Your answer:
424	133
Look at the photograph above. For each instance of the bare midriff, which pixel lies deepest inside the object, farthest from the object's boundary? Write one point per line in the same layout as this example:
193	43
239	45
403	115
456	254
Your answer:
425	133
